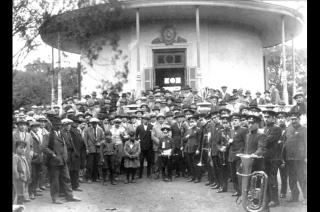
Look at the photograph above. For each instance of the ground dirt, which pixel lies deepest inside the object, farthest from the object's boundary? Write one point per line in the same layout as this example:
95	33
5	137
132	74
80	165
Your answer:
152	196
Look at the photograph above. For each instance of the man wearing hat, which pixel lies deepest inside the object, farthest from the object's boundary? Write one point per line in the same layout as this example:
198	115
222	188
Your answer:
295	157
56	108
78	153
93	136
165	151
55	148
22	110
188	96
269	152
177	132
143	133
156	135
222	135
117	133
258	100
237	142
36	159
191	140
248	97
282	123
22	135
301	106
267	97
274	94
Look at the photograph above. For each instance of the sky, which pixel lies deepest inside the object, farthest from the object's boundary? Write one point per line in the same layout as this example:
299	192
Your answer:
71	60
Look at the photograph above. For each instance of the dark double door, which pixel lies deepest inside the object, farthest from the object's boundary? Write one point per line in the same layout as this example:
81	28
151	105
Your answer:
169	68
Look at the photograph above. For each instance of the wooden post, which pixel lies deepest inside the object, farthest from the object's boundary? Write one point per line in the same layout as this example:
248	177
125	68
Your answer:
284	73
52	78
59	76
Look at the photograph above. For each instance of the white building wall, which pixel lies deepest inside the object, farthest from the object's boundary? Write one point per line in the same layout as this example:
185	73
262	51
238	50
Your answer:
230	55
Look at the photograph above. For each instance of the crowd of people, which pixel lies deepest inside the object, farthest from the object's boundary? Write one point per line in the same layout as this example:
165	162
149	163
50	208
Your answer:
101	139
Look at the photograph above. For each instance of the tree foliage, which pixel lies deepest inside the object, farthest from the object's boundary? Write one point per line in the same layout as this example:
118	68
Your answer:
33	86
274	68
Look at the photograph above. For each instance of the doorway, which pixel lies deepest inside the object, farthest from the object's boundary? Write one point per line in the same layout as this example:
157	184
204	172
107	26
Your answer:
169	68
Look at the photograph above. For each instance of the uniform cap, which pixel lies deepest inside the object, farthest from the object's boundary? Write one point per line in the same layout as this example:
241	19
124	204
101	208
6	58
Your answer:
66	121
92	120
34	124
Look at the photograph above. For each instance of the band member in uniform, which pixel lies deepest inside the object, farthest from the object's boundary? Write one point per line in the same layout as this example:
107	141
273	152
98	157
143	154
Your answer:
281	122
213	152
294	156
223	135
165	158
273	134
56	149
191	140
204	146
237	142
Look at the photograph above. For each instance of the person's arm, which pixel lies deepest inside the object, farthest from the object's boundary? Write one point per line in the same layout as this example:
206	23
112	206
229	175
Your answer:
15	173
45	145
125	149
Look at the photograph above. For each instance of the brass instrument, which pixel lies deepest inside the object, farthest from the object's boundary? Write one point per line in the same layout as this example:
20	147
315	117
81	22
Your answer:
254	185
208	137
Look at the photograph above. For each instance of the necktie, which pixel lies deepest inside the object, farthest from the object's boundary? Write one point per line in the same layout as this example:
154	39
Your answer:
95	133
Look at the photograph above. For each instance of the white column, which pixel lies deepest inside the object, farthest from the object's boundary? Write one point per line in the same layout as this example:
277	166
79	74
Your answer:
284	73
293	68
139	84
52	78
59	76
198	73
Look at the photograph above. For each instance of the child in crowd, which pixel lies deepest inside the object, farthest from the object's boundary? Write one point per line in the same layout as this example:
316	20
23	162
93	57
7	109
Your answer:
20	172
131	161
107	155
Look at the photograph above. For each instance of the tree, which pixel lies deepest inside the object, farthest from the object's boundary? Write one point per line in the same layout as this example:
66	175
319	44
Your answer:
33	86
274	68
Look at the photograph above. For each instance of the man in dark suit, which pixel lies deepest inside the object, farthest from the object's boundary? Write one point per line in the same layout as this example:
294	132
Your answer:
56	149
177	132
269	152
258	100
143	132
295	157
237	143
301	106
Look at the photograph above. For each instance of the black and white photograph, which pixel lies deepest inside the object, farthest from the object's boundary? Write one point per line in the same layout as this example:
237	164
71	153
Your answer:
159	105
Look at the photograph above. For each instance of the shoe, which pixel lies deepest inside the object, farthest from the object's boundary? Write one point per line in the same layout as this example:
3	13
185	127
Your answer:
89	181
126	181
235	194
57	201
73	199
208	184
77	189
39	190
197	181
273	204
220	190
48	185
216	186
43	188
190	180
38	195
282	196
293	200
304	202
32	196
